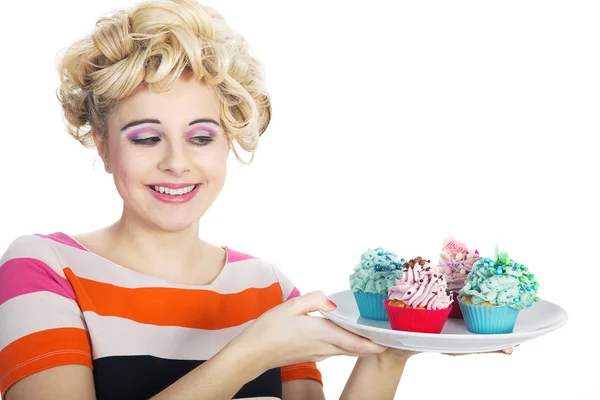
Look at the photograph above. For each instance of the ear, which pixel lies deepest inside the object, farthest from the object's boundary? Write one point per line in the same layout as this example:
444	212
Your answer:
101	145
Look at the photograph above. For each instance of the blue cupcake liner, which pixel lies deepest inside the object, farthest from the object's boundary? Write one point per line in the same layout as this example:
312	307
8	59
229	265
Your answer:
488	319
371	305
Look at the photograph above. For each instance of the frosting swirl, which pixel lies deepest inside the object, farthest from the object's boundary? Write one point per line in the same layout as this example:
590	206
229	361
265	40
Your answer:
421	285
376	272
501	282
456	262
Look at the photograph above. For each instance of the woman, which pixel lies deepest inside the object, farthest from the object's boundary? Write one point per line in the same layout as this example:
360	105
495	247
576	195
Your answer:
143	308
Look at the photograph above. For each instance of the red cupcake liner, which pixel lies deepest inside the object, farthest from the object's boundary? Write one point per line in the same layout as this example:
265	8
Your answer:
415	320
456	311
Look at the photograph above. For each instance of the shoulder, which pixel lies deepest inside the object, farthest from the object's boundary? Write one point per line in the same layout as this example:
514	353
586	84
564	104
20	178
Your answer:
242	261
256	266
37	251
234	256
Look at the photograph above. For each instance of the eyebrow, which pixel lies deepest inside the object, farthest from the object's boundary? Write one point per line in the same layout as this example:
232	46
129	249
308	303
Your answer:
155	121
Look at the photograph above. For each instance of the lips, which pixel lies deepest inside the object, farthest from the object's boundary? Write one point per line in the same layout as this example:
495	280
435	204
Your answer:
174	193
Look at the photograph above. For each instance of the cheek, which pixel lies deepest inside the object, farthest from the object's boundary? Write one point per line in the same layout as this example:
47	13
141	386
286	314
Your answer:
213	164
130	164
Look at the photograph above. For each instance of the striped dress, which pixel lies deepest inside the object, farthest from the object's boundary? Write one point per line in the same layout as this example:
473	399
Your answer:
62	304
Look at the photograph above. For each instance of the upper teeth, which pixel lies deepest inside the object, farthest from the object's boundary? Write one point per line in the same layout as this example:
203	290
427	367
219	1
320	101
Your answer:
173	192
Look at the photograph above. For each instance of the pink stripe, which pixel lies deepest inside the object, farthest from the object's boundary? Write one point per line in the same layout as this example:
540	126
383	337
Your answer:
20	276
295	293
234	256
63	238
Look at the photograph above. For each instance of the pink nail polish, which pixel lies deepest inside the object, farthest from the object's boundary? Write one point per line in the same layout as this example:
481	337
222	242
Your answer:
331	301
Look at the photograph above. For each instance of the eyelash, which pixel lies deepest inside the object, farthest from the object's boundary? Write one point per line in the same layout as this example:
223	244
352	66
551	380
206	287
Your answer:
200	140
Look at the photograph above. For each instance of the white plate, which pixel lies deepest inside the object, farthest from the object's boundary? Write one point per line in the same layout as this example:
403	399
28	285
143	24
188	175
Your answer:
541	318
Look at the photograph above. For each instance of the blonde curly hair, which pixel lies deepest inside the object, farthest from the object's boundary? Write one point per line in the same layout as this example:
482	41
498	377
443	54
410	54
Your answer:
157	41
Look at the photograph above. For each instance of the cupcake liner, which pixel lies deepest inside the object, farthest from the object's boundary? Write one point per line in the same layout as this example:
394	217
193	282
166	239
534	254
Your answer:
456	311
371	306
488	319
416	320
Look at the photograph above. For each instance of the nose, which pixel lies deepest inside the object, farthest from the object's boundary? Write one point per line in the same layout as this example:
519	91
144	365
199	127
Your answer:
175	161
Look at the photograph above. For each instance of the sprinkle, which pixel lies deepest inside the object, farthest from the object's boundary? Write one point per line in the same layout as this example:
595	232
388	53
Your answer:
516	299
536	299
521	278
529	304
531	276
523	267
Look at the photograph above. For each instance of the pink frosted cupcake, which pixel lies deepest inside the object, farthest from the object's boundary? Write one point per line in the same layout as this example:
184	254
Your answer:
456	261
420	301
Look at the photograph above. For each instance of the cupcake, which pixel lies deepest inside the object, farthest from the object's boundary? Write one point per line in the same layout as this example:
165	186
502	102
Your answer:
372	277
494	293
456	262
420	301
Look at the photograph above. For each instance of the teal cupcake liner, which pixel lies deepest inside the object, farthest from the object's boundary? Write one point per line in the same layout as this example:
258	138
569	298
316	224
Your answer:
371	305
488	319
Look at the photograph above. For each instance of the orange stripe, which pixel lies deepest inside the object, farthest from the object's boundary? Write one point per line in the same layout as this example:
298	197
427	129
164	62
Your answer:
42	350
307	370
193	308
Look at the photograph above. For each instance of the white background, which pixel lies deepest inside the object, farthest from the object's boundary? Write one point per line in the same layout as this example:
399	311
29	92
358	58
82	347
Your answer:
394	125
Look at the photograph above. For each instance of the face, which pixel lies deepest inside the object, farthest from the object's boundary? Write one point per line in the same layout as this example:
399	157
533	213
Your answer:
168	154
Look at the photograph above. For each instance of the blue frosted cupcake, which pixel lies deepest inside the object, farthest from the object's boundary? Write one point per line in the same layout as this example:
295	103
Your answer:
372	279
494	294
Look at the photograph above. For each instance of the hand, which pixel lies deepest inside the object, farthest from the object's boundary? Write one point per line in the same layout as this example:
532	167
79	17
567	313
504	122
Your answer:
508	351
286	335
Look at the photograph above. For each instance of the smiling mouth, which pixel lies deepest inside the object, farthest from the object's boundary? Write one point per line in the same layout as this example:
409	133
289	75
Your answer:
174	192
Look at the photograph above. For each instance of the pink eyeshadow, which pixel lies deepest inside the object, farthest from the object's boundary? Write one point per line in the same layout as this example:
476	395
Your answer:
136	134
212	132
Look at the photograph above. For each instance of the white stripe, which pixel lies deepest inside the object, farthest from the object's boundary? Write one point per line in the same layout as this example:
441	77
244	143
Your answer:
115	336
234	278
34	312
32	246
284	282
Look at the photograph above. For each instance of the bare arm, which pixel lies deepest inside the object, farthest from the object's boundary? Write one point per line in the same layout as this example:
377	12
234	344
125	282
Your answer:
303	389
284	335
58	383
219	378
375	377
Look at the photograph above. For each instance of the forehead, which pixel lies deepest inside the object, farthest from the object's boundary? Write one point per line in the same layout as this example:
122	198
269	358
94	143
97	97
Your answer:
186	99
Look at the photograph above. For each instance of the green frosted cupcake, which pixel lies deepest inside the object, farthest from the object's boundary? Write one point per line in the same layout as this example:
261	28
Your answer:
372	279
494	293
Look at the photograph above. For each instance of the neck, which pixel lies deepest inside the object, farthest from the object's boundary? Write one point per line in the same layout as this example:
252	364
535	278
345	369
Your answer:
160	252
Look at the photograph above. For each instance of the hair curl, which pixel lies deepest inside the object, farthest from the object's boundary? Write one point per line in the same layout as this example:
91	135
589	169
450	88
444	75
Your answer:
156	41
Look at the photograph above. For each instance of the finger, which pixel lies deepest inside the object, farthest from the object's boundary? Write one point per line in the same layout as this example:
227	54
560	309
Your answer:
507	351
349	342
311	302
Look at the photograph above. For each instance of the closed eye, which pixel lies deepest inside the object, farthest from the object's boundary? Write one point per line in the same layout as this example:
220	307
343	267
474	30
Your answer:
202	140
146	141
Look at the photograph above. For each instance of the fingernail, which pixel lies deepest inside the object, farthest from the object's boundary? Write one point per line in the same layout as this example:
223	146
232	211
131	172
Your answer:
517	345
332	303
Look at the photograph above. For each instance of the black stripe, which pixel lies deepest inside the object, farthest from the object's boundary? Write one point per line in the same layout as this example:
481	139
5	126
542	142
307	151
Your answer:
141	377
